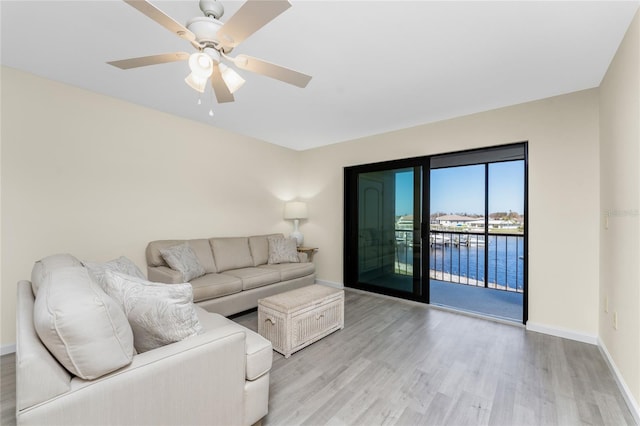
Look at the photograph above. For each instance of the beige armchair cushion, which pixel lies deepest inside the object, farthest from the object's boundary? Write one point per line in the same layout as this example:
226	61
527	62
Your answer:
81	326
47	264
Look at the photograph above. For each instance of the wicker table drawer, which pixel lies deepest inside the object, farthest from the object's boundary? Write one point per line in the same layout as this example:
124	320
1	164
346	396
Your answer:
297	318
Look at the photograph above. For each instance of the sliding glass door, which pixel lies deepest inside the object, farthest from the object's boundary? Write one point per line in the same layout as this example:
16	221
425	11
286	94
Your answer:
442	229
386	226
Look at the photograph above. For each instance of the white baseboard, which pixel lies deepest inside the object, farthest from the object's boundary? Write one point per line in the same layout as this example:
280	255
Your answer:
561	332
330	284
626	392
7	349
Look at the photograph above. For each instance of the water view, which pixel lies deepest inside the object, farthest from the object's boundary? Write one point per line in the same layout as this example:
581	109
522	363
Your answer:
460	258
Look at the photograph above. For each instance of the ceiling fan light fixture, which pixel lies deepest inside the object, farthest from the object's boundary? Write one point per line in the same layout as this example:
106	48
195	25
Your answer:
213	40
231	78
196	82
201	65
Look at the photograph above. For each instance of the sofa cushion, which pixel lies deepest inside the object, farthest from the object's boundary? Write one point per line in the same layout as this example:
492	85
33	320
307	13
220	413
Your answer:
122	264
231	253
47	264
254	277
259	350
282	250
81	326
259	245
210	286
290	271
201	247
182	258
159	314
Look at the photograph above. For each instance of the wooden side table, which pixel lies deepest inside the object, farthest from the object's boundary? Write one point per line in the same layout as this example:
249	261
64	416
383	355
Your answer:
310	251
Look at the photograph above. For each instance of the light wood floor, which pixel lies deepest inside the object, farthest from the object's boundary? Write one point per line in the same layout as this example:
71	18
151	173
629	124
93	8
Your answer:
402	363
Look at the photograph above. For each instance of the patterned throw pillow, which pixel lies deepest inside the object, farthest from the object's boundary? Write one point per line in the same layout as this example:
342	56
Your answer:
122	264
182	258
282	250
158	313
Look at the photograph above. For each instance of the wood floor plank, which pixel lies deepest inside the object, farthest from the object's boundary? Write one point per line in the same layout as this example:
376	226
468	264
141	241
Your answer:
8	390
403	363
503	404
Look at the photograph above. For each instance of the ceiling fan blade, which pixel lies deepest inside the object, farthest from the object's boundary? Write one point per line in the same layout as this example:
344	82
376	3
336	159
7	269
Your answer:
268	69
219	87
143	61
161	18
251	16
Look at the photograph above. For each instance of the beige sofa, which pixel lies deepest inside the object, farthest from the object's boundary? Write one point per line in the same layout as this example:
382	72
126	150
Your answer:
237	272
218	376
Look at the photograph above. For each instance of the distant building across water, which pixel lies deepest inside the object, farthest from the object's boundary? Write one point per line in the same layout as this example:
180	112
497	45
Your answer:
473	223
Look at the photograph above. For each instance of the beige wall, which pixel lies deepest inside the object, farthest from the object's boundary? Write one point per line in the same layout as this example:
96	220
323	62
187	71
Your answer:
563	195
99	178
620	201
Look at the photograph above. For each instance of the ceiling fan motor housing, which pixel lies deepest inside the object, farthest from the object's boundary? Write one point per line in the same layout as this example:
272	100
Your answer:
212	8
205	29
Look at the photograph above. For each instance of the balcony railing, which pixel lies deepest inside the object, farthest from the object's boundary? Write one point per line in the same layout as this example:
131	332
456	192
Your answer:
460	257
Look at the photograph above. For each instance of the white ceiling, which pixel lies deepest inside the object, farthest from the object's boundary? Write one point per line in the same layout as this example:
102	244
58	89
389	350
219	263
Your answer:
377	66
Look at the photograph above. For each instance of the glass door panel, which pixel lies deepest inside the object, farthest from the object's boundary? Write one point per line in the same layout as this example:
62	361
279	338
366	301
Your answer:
506	222
477	239
388	233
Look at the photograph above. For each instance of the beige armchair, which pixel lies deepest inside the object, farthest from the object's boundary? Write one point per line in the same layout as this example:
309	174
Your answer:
218	377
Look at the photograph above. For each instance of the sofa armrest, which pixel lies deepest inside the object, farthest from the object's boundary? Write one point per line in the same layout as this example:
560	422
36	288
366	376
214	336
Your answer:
303	257
39	376
164	274
199	380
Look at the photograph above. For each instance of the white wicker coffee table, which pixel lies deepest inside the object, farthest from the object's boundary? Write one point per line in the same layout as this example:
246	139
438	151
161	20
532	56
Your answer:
297	318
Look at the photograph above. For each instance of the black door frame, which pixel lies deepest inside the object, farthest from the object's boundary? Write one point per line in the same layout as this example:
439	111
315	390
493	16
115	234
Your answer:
421	291
350	263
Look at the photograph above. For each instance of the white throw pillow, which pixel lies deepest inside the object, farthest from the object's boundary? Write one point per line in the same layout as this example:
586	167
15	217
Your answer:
158	313
122	264
48	264
182	258
282	250
81	326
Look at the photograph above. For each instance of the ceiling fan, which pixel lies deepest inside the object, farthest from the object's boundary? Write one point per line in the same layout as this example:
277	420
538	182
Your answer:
214	41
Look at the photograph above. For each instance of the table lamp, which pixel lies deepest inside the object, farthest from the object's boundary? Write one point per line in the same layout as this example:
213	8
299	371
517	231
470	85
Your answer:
296	210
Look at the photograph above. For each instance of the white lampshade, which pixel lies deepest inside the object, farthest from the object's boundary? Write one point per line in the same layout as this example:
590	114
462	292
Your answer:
201	66
295	210
231	78
196	83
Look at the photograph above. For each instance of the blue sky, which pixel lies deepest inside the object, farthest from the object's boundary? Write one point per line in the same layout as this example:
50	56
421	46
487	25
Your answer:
461	189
